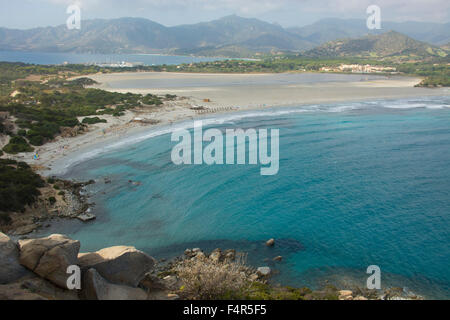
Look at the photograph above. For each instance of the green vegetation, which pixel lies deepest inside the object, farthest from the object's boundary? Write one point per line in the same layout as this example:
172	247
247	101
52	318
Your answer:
93	120
211	279
45	102
273	64
436	81
392	46
19	186
264	291
16	145
151	99
436	70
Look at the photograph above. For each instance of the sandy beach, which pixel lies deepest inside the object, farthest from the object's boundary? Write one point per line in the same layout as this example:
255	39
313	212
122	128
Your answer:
262	90
218	93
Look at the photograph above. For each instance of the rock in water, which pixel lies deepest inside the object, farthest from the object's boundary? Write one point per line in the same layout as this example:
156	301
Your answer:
95	287
121	265
85	217
270	242
264	271
49	257
278	258
10	268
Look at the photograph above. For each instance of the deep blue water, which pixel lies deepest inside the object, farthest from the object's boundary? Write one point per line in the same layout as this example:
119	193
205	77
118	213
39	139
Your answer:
60	58
360	183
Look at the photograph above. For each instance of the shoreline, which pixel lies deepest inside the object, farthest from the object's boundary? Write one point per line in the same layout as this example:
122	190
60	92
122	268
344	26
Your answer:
198	102
222	274
118	131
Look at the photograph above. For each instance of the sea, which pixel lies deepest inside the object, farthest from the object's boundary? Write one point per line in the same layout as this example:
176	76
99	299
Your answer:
359	184
57	58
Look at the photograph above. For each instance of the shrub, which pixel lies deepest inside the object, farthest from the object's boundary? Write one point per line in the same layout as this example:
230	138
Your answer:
5	219
16	145
93	120
170	96
36	140
205	279
52	200
263	291
19	186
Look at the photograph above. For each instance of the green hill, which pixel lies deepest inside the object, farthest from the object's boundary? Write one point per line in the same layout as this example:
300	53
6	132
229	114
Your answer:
387	45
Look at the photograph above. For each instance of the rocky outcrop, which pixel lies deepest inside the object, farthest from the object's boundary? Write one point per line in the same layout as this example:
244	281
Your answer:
345	295
95	287
216	255
125	273
121	265
14	291
10	268
49	257
270	242
264	271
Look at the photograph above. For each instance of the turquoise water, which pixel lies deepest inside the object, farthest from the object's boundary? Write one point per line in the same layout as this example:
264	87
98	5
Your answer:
60	58
360	183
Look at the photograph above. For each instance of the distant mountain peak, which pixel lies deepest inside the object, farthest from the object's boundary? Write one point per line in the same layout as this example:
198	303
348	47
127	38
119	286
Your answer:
233	34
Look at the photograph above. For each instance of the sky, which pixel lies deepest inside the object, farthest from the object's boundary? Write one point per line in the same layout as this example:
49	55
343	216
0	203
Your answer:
24	14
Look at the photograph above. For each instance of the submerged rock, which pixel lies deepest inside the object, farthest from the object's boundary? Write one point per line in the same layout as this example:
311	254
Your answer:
49	257
278	258
120	264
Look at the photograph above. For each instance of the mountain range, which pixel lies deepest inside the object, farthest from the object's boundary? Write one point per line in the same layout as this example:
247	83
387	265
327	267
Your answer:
228	36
